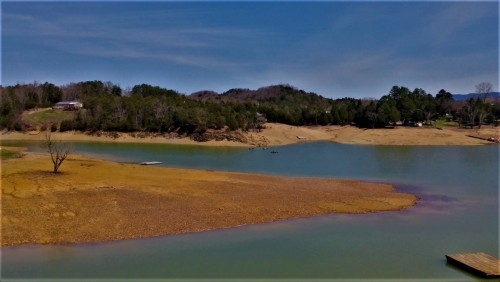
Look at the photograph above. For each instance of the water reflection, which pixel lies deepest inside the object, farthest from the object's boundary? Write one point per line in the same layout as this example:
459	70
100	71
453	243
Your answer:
395	160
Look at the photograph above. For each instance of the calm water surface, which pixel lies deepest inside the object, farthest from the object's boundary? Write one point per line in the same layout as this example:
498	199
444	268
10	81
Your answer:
458	212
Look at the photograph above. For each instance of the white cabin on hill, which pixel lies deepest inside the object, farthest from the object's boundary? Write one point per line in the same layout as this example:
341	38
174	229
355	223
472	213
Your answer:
68	105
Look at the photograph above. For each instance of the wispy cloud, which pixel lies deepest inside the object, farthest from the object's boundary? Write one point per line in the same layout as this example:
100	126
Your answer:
349	49
445	24
185	45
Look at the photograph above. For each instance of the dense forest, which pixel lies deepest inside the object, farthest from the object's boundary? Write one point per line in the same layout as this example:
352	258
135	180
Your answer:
147	108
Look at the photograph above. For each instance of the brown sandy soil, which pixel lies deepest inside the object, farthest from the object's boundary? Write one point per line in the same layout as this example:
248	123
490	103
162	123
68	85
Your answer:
412	135
123	138
279	134
93	200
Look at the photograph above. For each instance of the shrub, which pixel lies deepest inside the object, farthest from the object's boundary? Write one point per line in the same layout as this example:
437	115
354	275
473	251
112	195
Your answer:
66	125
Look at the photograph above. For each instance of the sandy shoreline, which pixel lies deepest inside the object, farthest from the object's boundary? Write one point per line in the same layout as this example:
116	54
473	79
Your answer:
94	200
280	134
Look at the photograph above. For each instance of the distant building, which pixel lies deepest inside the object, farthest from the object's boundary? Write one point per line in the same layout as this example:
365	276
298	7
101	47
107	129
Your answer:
68	105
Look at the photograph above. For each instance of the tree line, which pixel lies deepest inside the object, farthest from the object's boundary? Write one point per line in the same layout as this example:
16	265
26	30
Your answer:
148	108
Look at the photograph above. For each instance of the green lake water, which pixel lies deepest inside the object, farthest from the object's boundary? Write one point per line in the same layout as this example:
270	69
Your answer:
458	212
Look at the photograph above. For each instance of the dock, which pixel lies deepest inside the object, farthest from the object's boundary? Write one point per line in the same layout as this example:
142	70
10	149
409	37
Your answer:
481	264
491	139
150	163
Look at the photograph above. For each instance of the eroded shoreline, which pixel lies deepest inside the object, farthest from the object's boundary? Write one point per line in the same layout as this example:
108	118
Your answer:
94	200
276	134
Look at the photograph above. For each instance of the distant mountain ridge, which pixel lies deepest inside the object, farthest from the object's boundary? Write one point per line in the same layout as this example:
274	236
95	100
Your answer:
269	93
463	97
276	91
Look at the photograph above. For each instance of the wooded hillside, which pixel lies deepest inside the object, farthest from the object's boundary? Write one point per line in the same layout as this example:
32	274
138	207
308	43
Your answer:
108	107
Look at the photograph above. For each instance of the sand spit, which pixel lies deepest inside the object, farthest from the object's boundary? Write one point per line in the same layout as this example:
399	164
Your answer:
93	200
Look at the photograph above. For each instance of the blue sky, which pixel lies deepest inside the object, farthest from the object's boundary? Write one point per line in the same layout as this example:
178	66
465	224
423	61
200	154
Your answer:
335	49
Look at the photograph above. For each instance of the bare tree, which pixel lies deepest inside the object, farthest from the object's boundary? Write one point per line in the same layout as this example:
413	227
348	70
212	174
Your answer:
468	113
70	92
482	113
120	110
58	150
484	88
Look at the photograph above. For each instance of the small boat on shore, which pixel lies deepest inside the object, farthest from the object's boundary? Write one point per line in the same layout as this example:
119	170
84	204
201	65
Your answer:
150	163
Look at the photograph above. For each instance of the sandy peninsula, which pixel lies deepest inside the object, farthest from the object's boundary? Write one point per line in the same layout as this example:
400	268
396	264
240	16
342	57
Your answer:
93	200
276	134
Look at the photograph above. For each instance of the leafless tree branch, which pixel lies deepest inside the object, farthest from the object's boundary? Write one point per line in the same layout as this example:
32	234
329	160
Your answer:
58	150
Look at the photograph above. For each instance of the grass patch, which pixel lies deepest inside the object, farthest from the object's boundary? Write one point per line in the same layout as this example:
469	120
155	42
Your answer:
47	117
443	123
439	123
9	154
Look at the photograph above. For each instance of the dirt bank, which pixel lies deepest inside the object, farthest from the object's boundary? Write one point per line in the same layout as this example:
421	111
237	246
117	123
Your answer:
409	136
279	134
93	200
